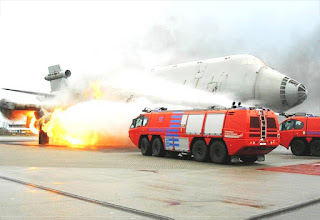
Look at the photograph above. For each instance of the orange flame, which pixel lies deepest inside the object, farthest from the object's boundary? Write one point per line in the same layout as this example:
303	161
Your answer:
62	132
94	91
81	126
31	120
32	125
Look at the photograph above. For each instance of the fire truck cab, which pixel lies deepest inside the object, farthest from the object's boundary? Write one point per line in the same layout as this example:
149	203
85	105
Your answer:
301	132
221	135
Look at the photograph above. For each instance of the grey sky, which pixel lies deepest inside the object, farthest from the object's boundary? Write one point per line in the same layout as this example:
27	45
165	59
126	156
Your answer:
101	37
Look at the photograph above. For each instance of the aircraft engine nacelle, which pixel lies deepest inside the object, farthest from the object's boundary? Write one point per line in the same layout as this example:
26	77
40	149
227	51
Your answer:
58	75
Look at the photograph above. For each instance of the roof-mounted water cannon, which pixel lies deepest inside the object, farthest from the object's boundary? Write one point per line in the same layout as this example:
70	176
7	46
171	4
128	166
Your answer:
235	106
147	110
163	109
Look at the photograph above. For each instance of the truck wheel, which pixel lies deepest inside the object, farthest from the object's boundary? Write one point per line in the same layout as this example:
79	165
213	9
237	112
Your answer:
249	159
218	152
43	137
298	147
200	151
157	148
315	148
145	147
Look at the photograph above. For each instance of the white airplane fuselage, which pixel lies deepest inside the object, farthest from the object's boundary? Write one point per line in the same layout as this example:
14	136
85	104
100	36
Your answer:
243	77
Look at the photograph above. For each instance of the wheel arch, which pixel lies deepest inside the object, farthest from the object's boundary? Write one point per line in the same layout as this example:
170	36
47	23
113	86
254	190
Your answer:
218	139
142	136
299	138
194	140
314	139
156	136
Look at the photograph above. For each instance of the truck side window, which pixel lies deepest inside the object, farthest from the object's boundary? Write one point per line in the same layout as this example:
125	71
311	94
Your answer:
298	125
254	122
145	121
139	122
287	125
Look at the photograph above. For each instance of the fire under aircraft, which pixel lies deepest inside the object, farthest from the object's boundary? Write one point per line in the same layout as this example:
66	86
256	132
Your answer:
244	77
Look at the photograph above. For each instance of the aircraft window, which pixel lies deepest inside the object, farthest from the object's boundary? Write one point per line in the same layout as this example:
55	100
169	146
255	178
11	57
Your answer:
254	122
271	123
145	121
139	122
287	125
298	125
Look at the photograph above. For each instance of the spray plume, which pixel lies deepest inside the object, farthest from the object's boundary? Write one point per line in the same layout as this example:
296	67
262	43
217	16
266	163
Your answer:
106	108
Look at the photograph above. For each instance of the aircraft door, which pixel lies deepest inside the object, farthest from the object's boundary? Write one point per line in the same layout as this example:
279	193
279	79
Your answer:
201	69
199	74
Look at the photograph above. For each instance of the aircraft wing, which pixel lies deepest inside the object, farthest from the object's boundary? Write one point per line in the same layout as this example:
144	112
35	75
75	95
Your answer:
29	92
14	111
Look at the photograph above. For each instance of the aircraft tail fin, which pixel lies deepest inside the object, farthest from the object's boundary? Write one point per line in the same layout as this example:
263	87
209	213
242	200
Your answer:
58	78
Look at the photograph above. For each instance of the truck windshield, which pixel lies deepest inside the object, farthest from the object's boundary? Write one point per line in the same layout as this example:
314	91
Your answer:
133	123
140	121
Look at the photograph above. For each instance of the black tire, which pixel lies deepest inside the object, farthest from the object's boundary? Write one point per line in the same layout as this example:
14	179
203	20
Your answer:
157	147
173	154
218	152
43	138
299	147
200	151
249	159
145	147
315	148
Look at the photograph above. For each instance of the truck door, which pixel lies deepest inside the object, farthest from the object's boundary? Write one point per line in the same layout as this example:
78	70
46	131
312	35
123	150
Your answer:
286	132
135	129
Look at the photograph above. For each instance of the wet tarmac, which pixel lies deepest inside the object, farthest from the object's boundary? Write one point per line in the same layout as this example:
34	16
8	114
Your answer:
120	183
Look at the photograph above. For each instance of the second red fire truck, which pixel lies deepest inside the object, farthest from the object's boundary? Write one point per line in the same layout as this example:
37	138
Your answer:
216	134
301	132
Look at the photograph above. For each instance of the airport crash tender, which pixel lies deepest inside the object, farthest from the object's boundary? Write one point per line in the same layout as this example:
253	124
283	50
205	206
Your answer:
223	135
301	131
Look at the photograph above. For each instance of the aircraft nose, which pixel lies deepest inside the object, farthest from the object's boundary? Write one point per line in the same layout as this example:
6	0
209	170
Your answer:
292	92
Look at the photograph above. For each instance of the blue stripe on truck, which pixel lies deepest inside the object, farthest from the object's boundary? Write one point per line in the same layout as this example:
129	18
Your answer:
172	130
172	139
175	121
171	144
172	135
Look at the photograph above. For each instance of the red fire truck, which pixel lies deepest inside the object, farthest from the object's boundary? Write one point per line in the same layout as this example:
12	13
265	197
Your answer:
221	135
301	132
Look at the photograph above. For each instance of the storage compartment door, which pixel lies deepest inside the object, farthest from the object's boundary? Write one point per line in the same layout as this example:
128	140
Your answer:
194	124
214	124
